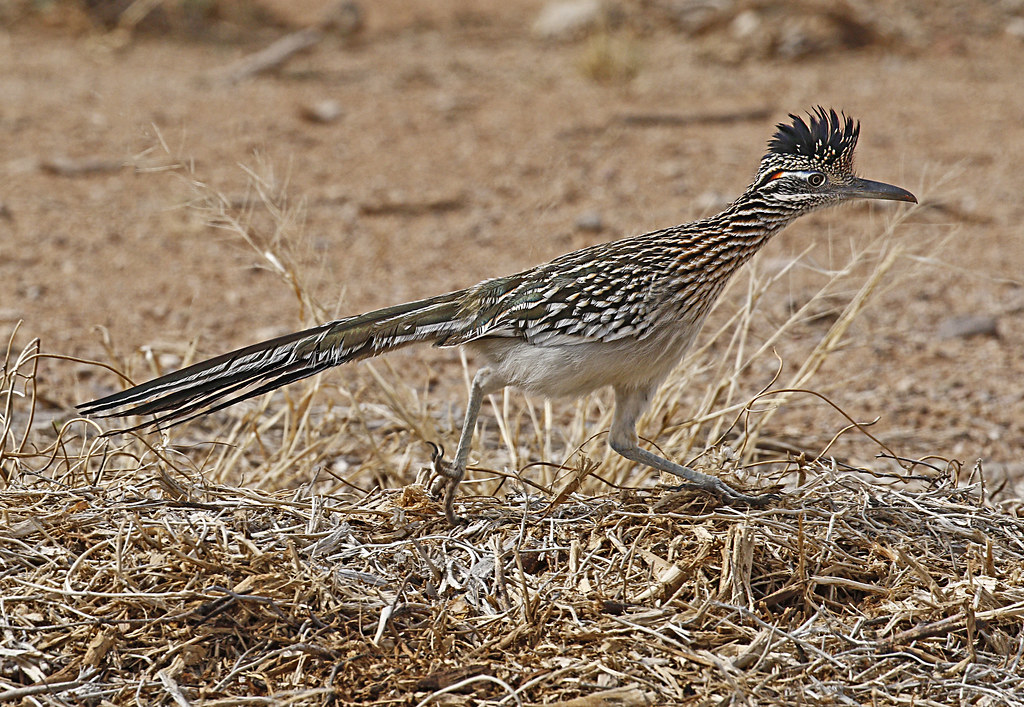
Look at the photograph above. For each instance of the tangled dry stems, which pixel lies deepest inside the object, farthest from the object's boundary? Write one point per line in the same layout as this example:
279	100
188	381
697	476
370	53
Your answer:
847	592
129	578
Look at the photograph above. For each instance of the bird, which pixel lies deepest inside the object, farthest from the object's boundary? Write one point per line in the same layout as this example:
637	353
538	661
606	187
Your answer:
619	314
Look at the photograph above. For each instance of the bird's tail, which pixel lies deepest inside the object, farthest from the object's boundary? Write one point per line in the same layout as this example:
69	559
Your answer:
221	381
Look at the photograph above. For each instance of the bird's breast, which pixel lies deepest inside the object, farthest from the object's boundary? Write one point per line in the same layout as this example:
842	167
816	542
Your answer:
572	369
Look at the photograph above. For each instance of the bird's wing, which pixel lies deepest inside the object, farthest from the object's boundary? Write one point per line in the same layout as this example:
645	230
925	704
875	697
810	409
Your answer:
562	303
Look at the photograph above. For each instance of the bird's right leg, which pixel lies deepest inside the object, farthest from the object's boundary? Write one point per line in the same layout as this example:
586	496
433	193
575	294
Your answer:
452	473
630	403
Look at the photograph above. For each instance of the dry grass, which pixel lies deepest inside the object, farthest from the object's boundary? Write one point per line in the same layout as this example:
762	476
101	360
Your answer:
166	568
143	588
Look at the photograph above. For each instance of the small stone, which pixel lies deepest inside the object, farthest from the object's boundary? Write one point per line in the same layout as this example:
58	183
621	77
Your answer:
567	18
697	16
963	326
326	111
344	18
590	221
745	24
1015	27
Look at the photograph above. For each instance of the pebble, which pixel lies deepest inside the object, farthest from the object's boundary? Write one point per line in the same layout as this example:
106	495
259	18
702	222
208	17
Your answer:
325	111
344	18
567	18
963	326
590	221
1015	27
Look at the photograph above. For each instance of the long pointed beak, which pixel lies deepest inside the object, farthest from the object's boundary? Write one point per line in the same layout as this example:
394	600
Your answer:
867	189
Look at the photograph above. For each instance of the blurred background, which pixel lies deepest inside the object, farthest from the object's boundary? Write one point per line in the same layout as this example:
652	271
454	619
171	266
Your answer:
395	149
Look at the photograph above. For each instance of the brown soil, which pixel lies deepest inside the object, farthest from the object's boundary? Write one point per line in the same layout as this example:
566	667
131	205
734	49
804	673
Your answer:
469	148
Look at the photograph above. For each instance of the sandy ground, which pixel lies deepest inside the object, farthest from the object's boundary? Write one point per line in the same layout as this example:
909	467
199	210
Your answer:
467	147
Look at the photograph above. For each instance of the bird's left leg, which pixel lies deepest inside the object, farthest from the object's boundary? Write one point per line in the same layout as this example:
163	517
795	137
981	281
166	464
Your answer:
449	475
630	403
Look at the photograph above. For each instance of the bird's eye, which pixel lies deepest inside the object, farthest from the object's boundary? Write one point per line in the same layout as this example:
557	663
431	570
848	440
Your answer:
815	179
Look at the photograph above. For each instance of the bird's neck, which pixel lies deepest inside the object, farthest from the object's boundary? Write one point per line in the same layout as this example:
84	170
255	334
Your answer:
751	215
746	225
712	249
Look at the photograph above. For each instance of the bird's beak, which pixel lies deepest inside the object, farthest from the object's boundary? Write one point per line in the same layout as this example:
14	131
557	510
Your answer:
867	189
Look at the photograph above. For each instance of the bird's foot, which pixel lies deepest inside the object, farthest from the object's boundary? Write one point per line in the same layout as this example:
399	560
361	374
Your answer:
443	482
727	494
437	478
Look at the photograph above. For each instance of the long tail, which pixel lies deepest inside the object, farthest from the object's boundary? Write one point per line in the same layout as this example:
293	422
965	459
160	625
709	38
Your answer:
232	377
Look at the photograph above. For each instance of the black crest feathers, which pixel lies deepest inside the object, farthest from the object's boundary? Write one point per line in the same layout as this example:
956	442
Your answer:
829	137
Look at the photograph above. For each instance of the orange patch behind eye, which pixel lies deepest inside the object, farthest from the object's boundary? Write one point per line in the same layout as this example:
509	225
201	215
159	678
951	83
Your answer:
776	175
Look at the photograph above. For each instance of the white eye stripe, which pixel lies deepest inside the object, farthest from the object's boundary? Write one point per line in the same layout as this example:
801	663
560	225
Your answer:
804	174
812	177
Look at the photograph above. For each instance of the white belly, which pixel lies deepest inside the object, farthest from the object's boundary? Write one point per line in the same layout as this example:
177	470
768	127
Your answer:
572	370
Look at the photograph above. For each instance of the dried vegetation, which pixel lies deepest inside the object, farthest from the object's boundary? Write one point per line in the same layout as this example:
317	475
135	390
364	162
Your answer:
293	561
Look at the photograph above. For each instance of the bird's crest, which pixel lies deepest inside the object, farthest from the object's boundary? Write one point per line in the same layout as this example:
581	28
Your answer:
829	138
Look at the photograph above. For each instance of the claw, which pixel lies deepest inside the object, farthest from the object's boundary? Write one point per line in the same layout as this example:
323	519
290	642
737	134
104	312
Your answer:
727	494
437	480
437	451
444	479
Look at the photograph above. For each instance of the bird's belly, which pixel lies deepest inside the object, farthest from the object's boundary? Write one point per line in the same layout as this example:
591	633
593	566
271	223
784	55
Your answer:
574	369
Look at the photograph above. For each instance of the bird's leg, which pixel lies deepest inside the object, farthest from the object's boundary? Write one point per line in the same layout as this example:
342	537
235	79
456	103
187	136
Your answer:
449	475
630	403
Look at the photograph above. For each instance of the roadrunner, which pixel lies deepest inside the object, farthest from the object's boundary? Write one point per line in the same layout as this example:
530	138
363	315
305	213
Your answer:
618	314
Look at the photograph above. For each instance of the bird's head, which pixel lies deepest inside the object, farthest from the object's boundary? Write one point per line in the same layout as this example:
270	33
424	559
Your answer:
810	165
